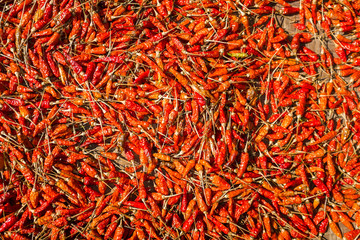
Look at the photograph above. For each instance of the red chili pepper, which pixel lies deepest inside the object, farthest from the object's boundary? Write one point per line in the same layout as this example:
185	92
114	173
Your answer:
115	59
320	184
75	66
219	225
352	235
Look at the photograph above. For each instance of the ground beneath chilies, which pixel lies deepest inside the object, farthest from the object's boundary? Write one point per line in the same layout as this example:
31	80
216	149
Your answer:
179	119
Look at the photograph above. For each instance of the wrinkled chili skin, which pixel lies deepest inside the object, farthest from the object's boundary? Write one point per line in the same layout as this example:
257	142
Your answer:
179	119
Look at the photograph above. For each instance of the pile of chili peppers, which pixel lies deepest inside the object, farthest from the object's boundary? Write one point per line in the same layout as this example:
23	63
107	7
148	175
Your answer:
179	119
